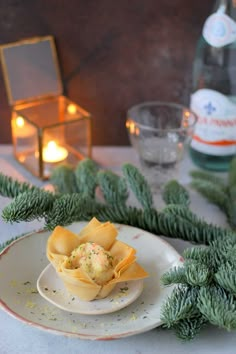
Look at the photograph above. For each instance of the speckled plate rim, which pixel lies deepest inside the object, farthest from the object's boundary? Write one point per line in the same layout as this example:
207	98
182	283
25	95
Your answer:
3	305
97	307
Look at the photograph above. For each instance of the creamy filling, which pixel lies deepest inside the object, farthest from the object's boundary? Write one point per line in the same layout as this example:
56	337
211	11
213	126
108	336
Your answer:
94	260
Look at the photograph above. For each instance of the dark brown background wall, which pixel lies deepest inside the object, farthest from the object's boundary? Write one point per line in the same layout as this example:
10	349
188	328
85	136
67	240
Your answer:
113	53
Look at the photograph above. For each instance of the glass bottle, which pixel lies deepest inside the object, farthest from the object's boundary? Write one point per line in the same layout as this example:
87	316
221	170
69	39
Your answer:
214	90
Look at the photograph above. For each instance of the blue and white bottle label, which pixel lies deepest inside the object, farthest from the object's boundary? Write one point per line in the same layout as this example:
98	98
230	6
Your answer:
219	30
215	131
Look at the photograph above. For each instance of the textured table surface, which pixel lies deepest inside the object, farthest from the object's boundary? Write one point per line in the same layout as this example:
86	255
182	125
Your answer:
18	338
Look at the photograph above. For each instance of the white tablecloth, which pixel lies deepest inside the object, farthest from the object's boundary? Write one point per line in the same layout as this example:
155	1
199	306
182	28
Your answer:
18	338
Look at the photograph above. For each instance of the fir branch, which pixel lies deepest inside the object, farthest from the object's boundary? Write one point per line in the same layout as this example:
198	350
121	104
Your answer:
86	178
28	206
232	208
11	188
197	274
218	192
69	208
199	254
219	251
181	211
63	179
232	173
176	225
218	306
231	254
213	193
113	187
205	256
175	275
188	329
226	277
180	305
192	273
175	193
223	246
138	185
209	177
175	221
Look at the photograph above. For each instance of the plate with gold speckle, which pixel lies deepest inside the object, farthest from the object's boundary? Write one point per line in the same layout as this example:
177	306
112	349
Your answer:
51	287
23	261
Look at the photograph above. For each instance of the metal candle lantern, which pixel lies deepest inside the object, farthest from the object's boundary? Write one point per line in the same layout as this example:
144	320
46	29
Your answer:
47	127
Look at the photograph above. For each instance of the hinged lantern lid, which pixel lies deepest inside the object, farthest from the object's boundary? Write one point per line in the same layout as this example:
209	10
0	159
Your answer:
31	71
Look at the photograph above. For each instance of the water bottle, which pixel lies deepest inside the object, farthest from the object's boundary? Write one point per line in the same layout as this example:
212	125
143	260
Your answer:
213	96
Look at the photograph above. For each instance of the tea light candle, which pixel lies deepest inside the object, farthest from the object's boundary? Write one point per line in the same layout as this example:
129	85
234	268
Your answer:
22	128
54	153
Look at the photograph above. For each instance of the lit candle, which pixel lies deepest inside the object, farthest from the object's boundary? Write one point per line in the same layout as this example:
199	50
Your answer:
22	128
54	153
71	109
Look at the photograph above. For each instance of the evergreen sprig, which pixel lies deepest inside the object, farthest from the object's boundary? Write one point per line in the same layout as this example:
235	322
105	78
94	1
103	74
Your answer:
209	177
175	193
179	222
189	328
86	178
215	194
218	306
210	271
63	179
138	185
11	188
113	187
226	277
218	191
181	305
27	206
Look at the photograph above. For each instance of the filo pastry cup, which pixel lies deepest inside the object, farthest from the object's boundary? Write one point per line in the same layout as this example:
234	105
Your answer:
62	242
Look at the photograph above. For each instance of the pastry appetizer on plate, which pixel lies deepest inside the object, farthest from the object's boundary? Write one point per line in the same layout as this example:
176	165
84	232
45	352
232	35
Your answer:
94	261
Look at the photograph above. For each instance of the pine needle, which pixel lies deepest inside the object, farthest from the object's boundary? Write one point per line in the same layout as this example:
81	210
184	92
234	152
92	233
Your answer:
86	178
188	329
113	187
218	306
213	193
138	185
209	177
70	208
175	193
180	305
226	277
175	275
11	188
28	206
63	179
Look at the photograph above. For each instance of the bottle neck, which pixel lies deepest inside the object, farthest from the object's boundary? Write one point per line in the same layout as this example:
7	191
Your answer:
227	7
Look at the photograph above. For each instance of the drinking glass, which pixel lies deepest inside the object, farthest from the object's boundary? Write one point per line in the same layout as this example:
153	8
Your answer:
160	133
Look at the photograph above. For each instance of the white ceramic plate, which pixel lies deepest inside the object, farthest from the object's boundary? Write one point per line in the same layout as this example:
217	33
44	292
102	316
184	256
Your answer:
51	287
23	260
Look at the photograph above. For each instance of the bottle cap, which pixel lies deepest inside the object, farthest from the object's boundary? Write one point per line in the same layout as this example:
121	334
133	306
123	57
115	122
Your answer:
219	30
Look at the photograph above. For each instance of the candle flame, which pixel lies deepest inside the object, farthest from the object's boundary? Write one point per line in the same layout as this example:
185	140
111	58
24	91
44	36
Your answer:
54	153
20	122
52	145
71	109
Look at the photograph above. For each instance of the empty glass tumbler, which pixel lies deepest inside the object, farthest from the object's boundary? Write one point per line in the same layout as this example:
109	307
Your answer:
160	133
